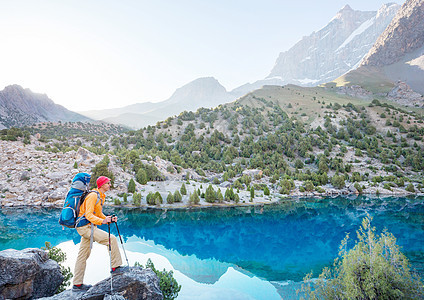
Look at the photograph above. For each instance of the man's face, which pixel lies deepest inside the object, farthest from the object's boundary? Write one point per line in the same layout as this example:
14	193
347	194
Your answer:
105	187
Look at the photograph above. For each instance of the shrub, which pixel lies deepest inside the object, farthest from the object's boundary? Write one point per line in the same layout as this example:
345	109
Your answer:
131	186
194	198
170	198
338	181
59	256
167	283
158	198
183	189
266	191
137	199
210	195
177	196
410	188
374	268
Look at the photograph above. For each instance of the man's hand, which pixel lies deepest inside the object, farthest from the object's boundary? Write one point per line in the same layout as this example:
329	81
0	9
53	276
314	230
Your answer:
110	219
107	220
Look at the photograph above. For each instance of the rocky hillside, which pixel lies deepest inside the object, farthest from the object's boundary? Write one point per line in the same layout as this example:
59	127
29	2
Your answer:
20	107
277	140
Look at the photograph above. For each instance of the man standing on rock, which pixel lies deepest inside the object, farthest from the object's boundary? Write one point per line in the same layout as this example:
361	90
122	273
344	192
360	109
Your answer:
90	216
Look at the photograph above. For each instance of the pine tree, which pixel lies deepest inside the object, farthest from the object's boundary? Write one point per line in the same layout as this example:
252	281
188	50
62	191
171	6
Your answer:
170	198
131	186
210	196
183	189
177	196
219	196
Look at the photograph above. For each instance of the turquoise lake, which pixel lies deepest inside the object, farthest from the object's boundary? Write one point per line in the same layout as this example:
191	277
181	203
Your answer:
260	252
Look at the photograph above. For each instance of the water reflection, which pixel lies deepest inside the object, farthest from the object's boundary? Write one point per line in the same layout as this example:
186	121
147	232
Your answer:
276	243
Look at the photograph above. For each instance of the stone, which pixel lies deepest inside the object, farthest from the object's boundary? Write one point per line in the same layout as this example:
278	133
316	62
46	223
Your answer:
28	273
135	284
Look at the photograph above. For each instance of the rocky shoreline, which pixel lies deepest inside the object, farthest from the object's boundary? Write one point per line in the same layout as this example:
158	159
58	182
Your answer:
30	177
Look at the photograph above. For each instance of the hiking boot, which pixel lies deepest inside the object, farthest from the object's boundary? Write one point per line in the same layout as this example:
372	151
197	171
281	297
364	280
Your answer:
119	270
81	287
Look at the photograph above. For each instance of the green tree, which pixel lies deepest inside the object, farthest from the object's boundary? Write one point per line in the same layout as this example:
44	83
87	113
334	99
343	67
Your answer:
131	186
177	196
252	192
309	186
137	199
266	191
170	198
141	176
374	268
210	195
183	189
101	169
158	198
298	164
194	198
219	196
338	181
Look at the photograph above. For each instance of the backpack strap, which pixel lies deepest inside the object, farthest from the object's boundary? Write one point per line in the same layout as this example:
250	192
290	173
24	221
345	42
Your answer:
92	225
83	216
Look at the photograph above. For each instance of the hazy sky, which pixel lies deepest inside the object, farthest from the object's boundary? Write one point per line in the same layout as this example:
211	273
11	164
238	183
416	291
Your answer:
96	54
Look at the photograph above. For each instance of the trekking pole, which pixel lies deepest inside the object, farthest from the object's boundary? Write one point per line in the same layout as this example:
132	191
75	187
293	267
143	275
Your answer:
116	223
110	259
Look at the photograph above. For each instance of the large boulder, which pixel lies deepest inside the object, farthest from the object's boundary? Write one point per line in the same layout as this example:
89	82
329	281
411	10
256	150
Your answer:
28	274
135	284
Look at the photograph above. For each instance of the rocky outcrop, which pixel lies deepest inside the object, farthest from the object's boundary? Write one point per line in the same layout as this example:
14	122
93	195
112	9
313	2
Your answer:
136	284
403	35
20	107
403	94
28	274
355	91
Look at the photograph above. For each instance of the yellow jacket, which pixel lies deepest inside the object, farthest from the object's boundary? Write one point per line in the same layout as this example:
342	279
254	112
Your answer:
92	210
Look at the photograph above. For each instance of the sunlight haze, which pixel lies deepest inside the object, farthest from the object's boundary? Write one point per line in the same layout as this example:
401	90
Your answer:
104	54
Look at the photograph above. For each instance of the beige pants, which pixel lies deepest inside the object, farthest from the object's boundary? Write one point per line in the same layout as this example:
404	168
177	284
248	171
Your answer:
100	237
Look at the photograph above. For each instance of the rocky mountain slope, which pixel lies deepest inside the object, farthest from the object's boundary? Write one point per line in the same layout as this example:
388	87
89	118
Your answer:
399	51
403	35
394	67
331	51
202	92
20	107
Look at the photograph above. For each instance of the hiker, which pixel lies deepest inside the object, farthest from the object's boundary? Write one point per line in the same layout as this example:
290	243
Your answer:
91	215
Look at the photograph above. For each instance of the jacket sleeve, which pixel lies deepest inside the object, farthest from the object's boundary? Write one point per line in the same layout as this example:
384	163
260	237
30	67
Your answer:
90	203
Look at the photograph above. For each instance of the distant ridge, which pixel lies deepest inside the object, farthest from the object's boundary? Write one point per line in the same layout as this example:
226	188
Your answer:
20	107
202	92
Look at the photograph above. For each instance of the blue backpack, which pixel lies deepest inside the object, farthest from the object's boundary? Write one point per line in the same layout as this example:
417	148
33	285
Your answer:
75	197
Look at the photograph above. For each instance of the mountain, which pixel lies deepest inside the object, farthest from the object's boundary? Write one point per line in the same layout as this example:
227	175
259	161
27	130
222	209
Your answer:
202	92
318	58
330	52
394	66
20	107
399	51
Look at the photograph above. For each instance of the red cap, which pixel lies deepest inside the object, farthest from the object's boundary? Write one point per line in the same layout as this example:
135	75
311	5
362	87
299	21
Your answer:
101	181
